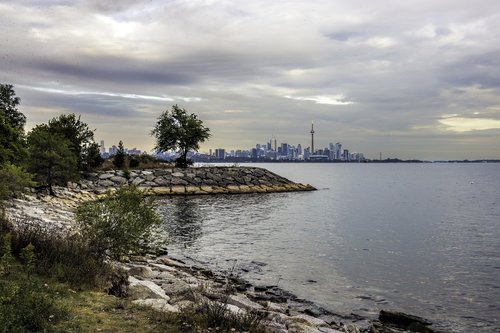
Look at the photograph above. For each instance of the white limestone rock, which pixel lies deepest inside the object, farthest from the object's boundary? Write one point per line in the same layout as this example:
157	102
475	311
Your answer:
142	289
157	304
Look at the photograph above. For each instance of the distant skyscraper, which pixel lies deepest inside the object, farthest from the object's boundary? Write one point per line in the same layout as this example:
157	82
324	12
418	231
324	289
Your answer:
338	151
101	147
312	137
220	153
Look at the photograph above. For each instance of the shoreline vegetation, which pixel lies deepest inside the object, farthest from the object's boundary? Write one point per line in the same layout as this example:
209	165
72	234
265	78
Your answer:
162	293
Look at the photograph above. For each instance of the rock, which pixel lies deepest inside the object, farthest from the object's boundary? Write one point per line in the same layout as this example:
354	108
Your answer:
137	181
161	190
312	321
176	287
400	319
297	327
328	330
234	309
119	180
242	301
161	181
106	175
178	174
178	189
178	181
105	183
275	307
142	271
141	289
157	304
171	262
164	268
192	189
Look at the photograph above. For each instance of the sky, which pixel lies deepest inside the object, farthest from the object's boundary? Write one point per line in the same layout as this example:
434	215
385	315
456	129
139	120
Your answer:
411	79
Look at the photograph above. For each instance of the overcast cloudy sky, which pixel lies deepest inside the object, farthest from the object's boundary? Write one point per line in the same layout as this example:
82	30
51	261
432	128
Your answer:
411	79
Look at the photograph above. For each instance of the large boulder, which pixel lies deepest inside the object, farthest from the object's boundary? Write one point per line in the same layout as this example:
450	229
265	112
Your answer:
142	289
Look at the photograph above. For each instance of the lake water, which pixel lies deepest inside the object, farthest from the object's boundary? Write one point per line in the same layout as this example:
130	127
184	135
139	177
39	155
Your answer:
418	238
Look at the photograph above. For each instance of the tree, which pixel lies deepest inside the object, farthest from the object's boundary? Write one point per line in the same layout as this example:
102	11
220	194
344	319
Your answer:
50	157
13	180
119	158
12	143
178	130
80	140
8	106
118	223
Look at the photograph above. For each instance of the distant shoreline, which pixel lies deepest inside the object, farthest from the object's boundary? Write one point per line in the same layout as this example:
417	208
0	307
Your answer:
390	160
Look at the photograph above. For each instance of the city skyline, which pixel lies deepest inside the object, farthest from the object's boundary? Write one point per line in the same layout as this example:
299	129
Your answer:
414	80
269	149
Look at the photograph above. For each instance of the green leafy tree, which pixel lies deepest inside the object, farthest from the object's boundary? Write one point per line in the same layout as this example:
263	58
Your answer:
12	143
119	158
117	224
51	158
13	180
180	131
8	106
80	140
92	157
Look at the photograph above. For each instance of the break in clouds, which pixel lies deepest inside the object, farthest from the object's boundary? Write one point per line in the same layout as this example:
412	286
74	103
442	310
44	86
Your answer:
412	79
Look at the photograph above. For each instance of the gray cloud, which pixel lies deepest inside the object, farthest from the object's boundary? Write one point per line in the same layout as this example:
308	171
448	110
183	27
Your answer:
383	75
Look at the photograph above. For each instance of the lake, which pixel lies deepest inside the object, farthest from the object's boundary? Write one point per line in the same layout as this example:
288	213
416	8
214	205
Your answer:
418	238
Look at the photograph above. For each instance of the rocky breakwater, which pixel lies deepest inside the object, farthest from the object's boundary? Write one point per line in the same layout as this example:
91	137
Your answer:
200	180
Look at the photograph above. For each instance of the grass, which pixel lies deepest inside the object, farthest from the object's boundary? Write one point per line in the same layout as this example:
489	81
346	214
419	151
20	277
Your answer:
54	284
85	311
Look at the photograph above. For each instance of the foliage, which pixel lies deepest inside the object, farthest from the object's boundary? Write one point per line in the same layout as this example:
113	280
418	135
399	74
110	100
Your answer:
178	130
68	259
28	305
8	107
119	158
28	257
6	258
92	157
12	143
80	140
116	224
50	157
13	180
133	162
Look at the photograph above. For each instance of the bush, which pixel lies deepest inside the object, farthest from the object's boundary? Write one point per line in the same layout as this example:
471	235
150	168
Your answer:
67	259
26	303
28	306
13	180
133	162
115	225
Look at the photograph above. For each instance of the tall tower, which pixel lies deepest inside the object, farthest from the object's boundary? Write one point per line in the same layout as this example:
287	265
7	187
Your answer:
312	138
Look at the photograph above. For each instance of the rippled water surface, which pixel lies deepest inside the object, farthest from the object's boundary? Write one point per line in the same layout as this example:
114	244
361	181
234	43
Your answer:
419	238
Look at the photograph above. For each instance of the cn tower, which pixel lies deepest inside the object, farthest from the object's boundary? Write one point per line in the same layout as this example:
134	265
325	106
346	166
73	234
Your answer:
312	138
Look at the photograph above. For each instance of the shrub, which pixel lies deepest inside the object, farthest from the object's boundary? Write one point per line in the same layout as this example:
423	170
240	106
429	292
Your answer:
115	225
28	306
133	162
68	259
13	180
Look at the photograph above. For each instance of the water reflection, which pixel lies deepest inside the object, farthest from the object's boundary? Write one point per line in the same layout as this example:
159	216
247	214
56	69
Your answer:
183	222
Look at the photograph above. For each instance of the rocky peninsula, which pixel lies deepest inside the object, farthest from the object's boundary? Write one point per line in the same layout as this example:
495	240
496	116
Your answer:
166	284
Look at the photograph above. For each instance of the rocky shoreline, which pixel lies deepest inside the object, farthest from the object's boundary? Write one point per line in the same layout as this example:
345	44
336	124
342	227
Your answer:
171	285
192	181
